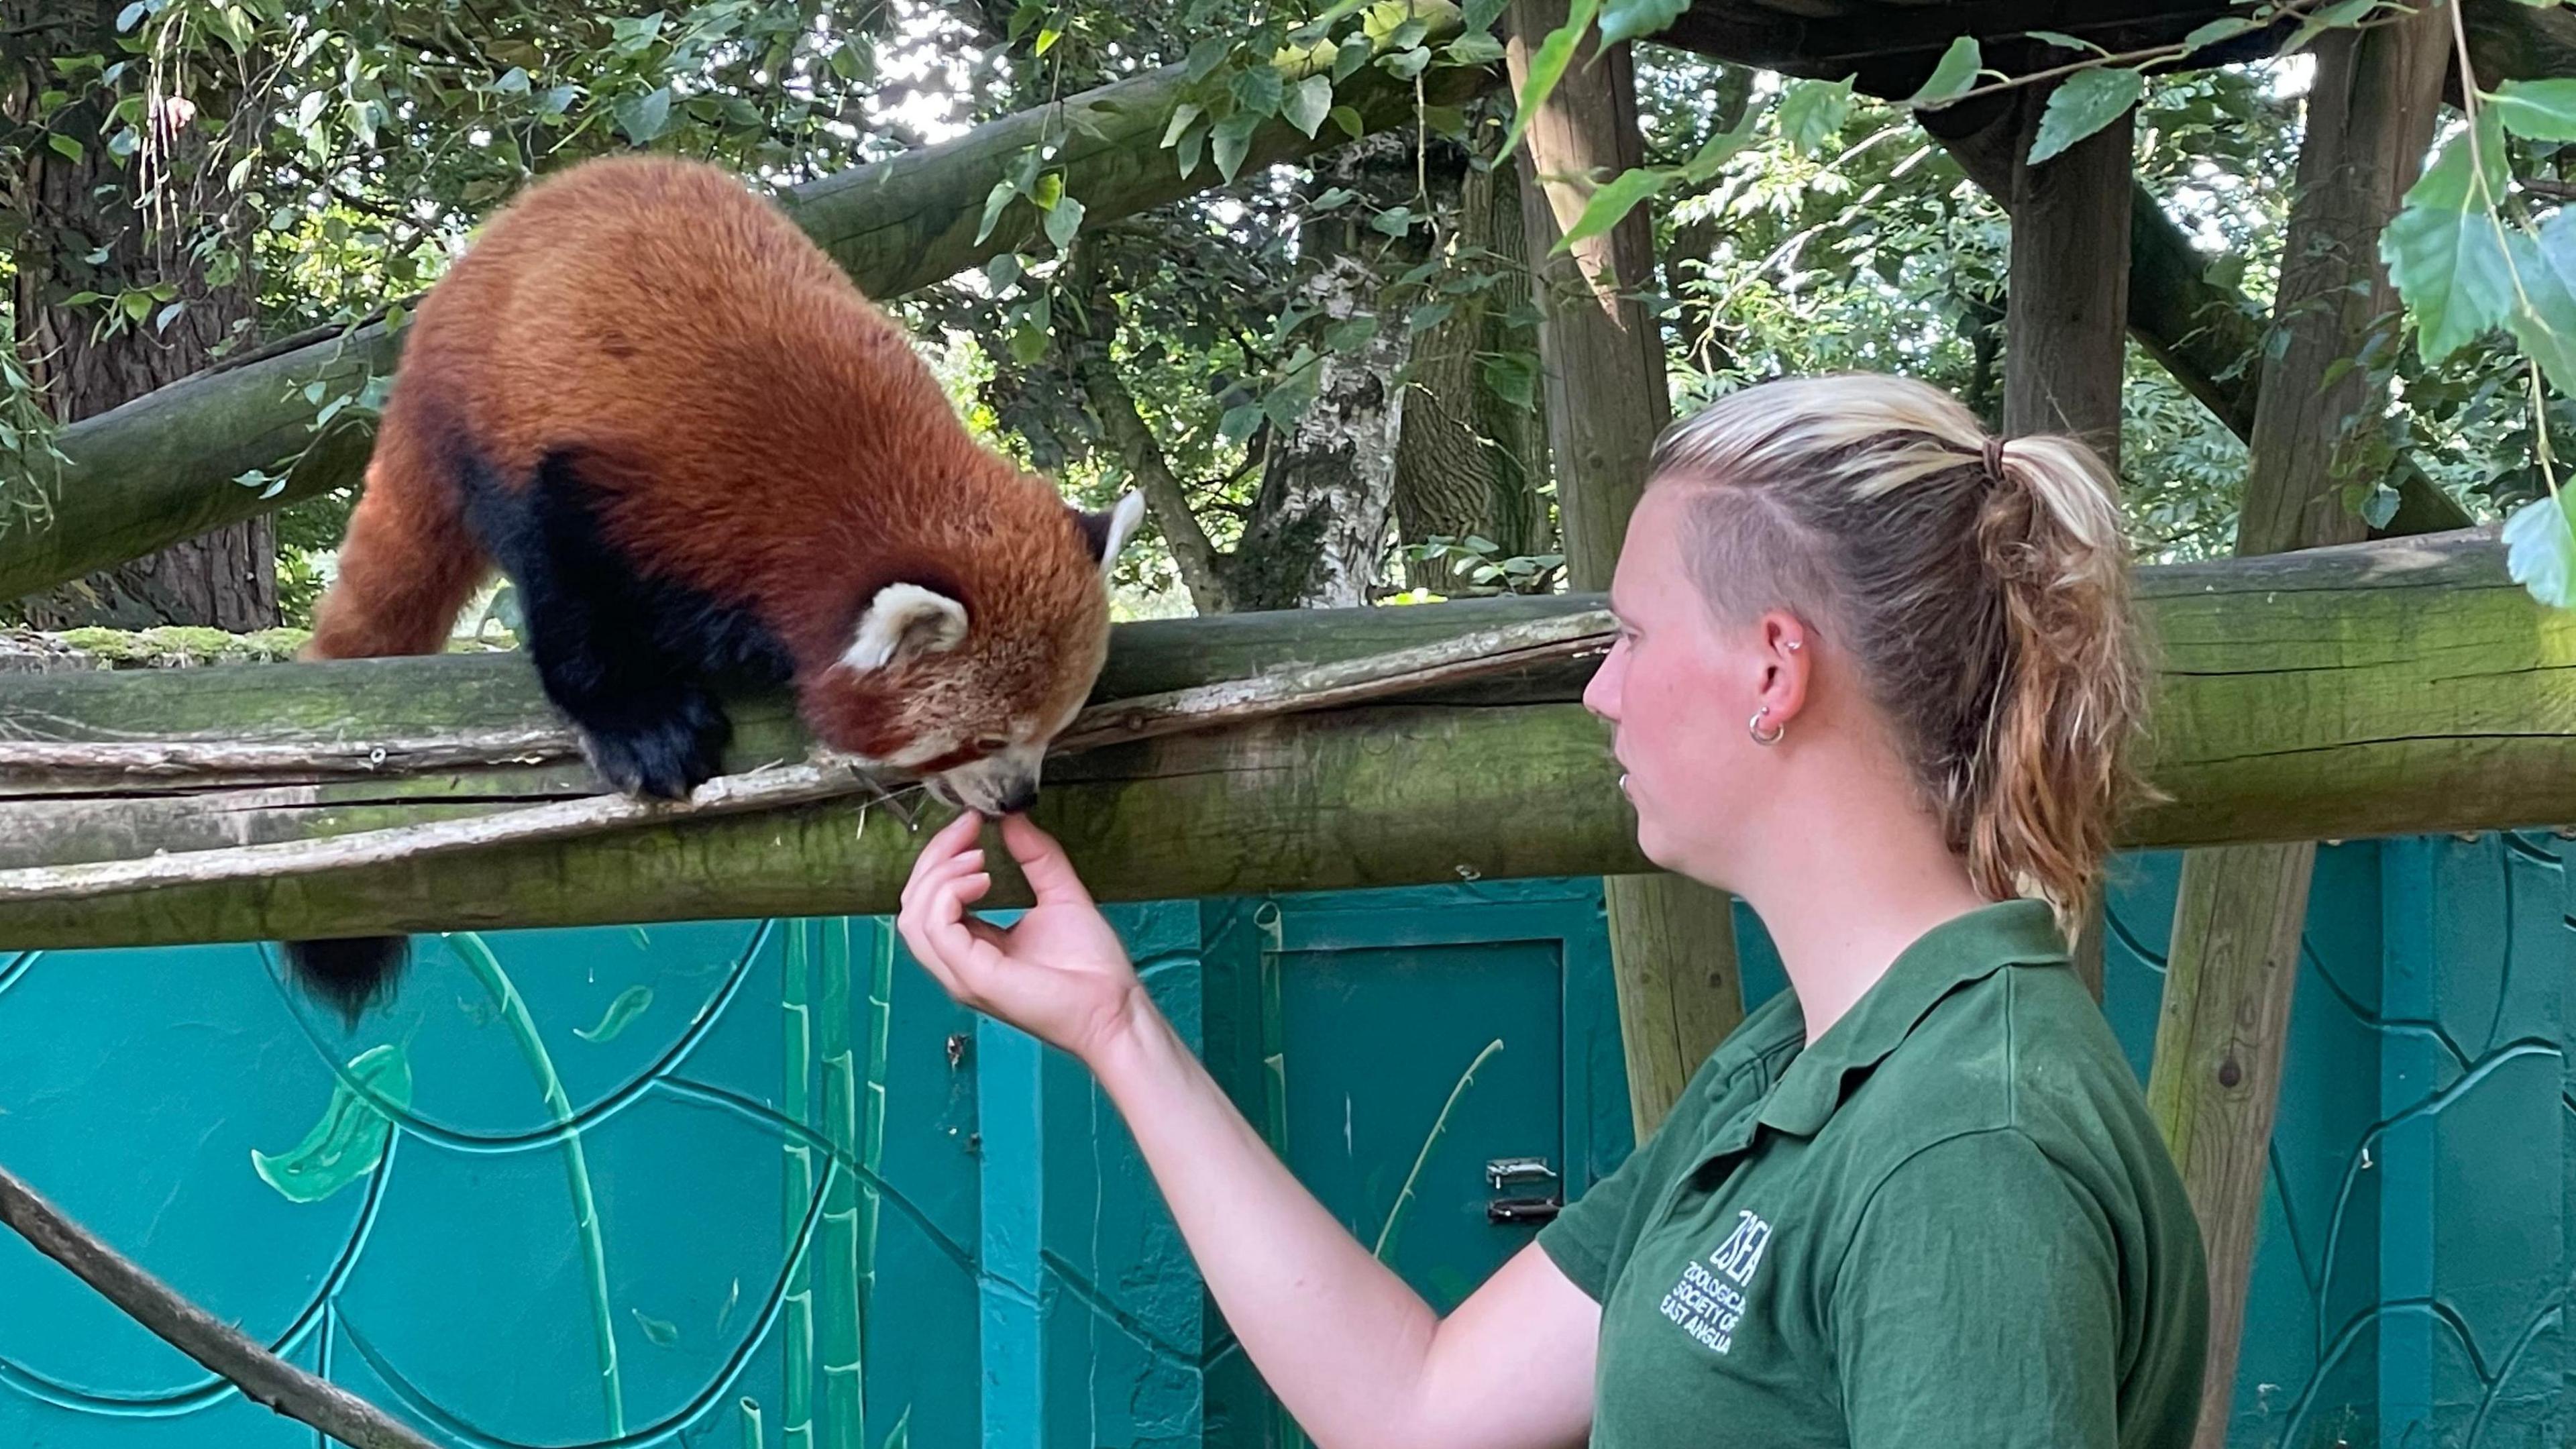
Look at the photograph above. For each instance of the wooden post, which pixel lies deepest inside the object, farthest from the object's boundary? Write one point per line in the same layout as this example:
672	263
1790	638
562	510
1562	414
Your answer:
1672	940
2066	316
2238	917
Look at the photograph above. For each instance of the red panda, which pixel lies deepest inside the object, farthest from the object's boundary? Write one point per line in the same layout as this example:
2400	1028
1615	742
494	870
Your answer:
699	453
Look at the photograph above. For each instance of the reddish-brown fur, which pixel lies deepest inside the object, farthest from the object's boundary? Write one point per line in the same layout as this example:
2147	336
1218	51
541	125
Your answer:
756	429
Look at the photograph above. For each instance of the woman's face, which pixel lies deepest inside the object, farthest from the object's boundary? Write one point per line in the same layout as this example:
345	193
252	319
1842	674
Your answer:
1678	691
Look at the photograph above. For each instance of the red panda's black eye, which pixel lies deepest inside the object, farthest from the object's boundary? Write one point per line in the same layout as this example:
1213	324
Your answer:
992	744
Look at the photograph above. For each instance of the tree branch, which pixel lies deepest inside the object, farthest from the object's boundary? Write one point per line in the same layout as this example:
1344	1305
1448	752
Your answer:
1199	561
263	1377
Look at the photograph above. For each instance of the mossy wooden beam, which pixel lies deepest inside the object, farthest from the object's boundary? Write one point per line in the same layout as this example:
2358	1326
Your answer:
2383	688
161	468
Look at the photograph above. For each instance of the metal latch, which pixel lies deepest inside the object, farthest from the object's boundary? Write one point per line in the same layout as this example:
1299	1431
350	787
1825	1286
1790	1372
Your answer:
1503	1171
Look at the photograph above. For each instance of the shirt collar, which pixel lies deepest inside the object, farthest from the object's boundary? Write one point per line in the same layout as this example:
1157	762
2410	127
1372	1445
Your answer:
1965	948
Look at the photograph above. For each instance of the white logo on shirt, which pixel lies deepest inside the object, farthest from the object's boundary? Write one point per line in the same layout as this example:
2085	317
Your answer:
1709	1300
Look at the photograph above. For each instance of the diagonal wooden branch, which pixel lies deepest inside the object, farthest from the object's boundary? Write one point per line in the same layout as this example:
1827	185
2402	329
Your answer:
263	1377
776	786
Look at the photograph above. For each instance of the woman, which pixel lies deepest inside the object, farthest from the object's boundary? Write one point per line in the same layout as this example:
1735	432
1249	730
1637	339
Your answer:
1875	674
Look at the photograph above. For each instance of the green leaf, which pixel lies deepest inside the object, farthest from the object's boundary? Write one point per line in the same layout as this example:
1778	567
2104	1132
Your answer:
1239	422
1630	19
1348	60
1722	147
69	148
2447	252
1954	76
2542	110
1308	104
1258	90
2540	550
998	198
1480	15
138	304
2544	316
644	117
1476	49
349	1140
513	82
1182	116
2380	506
2086	102
1612	202
1205	57
1547	67
1047	40
2065	41
1350	334
1002	272
1234	141
1063	221
1193	145
1514	378
1349	120
631	1003
1050	190
169	314
1409	63
2218	30
132	15
2339	16
1028	343
1428	315
1812	111
662	1334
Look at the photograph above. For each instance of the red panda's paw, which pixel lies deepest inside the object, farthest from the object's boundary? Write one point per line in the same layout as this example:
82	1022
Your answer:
665	755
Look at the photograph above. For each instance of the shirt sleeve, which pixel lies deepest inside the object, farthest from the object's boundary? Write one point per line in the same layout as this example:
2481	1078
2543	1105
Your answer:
1590	1238
1979	1304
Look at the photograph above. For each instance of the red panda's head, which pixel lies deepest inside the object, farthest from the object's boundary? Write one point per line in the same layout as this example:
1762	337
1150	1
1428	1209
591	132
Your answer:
964	676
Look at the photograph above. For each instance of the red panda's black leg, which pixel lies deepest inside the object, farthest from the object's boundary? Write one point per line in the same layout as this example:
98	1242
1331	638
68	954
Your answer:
599	636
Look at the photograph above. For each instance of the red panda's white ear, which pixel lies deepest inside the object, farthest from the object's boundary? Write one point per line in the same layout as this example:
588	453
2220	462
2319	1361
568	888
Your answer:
904	620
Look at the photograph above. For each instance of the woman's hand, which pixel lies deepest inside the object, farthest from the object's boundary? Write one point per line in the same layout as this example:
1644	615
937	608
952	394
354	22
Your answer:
1058	974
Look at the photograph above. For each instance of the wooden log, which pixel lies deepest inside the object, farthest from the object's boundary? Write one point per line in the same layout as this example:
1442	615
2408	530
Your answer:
2381	689
1601	360
161	468
2240	912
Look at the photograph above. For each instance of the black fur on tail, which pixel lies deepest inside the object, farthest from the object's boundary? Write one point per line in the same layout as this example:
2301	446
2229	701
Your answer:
349	973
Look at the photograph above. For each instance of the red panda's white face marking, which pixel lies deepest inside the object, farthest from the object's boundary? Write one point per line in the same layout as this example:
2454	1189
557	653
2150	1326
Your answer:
971	701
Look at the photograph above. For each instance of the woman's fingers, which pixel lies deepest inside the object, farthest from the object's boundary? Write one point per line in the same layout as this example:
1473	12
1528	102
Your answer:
1050	873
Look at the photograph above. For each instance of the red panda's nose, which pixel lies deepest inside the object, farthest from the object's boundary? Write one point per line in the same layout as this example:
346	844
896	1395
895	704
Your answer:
1021	795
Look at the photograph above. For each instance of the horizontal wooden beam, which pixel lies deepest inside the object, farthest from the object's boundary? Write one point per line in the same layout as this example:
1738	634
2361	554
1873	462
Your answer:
2384	688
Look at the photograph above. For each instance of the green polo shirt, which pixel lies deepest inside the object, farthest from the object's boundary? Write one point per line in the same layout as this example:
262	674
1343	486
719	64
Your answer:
1948	1222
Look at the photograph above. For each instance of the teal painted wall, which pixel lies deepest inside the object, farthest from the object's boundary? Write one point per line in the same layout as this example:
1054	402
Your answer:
725	1184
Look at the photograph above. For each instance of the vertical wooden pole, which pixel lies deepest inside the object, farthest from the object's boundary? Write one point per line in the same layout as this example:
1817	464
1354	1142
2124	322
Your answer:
2237	921
2066	317
1672	940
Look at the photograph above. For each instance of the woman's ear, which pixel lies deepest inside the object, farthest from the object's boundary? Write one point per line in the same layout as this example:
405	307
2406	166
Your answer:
1786	649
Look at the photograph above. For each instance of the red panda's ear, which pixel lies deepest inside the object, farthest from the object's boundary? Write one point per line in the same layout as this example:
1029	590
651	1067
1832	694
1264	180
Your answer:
902	621
1108	532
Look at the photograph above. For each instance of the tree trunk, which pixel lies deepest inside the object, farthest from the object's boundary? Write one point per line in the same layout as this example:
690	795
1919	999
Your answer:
1470	459
1318	529
87	230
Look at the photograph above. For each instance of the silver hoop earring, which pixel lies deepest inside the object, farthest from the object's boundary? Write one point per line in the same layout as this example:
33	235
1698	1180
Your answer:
1755	728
